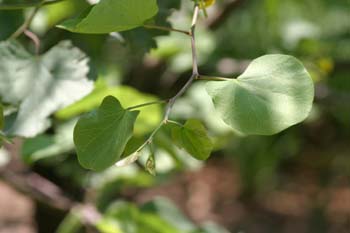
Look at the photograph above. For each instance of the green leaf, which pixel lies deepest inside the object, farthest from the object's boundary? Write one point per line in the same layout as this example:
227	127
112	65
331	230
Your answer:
113	16
72	223
129	218
148	119
274	93
142	40
193	138
41	85
168	211
47	145
9	22
100	136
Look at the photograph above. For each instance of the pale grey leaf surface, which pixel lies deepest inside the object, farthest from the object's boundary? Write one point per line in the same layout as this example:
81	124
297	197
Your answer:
41	85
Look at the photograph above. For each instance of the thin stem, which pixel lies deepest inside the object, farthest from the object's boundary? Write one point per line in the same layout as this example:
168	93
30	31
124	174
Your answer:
194	65
148	26
147	104
175	123
26	23
150	138
180	93
193	41
203	77
194	75
34	38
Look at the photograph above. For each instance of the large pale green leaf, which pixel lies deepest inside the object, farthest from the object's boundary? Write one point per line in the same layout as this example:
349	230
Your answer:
193	138
100	136
274	93
41	85
113	16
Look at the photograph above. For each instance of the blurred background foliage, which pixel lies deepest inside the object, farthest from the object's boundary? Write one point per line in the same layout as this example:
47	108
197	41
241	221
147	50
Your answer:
296	181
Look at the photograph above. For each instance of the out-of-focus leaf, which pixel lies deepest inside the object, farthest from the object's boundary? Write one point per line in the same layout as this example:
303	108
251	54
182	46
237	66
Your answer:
112	181
130	219
157	216
41	85
193	138
55	13
18	4
101	136
32	145
9	22
71	223
274	93
169	212
108	226
101	18
141	40
149	116
45	146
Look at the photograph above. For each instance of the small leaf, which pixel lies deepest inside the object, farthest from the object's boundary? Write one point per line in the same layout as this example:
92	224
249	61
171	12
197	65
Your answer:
100	136
112	16
151	165
193	138
274	93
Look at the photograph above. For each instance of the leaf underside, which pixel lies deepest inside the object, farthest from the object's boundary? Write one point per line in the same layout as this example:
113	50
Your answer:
274	93
41	85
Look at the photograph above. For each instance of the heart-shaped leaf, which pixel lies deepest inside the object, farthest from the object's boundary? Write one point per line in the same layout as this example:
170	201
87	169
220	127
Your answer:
112	16
193	138
101	136
274	93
